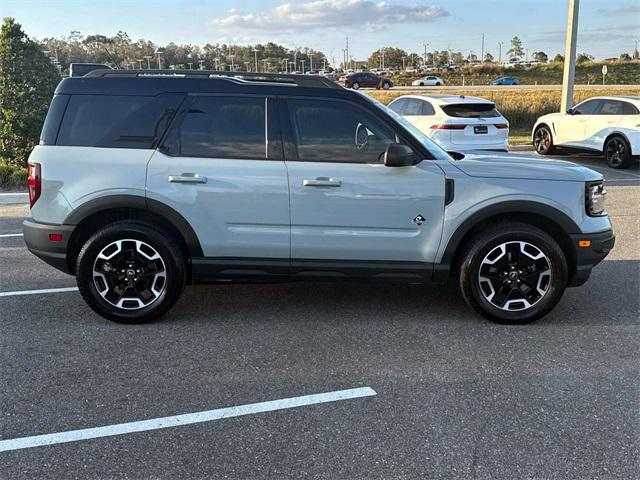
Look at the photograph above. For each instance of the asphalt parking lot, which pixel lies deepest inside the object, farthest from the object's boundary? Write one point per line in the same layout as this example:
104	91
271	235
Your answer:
455	395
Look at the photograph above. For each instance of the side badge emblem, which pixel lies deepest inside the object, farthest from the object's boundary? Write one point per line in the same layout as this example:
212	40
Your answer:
419	220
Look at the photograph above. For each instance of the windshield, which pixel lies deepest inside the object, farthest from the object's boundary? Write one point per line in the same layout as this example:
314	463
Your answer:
436	151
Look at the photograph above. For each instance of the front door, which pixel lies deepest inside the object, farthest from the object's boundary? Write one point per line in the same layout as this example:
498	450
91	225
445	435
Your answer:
219	171
347	207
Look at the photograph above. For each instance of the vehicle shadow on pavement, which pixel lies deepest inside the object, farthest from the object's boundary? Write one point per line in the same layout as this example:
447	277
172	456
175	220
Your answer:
610	296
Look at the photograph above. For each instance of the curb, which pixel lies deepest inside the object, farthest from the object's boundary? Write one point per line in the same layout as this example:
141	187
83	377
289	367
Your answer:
12	198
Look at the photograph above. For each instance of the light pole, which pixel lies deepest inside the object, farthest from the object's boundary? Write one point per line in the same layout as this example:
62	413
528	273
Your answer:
159	53
568	75
201	62
403	58
231	57
425	52
148	57
190	65
500	52
302	62
140	63
255	51
311	62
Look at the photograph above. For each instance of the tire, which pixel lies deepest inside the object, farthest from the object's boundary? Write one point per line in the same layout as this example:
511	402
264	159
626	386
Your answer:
355	85
386	86
543	141
508	304
617	152
130	295
421	84
438	84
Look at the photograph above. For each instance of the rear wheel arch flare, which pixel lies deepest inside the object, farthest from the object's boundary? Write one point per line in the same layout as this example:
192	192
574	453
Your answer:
94	215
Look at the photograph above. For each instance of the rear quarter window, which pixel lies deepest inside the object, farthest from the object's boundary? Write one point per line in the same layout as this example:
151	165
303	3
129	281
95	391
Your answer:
471	110
52	121
117	121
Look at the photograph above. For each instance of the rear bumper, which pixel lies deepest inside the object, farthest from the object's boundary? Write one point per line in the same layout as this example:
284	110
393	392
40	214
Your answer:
38	240
588	257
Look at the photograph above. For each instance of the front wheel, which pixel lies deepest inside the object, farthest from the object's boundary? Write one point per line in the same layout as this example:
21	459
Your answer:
513	273
542	141
617	153
386	85
130	272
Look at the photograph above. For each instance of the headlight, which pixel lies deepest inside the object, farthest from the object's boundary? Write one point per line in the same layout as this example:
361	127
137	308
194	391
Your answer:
595	199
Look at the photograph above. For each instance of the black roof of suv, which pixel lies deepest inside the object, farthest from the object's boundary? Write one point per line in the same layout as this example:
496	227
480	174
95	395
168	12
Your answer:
154	82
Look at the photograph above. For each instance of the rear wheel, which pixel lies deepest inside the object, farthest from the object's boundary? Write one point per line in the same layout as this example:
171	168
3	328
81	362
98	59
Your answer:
386	85
617	152
438	84
542	141
513	273
355	85
130	272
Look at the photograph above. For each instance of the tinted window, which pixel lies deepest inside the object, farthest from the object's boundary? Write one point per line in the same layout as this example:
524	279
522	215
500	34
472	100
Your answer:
52	121
587	108
471	110
629	109
413	107
398	105
221	127
611	107
116	121
329	131
427	109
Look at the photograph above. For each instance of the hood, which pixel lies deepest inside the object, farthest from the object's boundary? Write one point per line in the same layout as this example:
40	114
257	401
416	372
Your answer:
524	167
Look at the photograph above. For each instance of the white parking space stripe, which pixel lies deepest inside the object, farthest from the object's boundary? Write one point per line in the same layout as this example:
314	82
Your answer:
6	194
7	235
37	292
186	419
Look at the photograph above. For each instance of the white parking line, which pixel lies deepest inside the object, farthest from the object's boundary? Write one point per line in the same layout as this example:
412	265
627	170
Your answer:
6	194
7	235
36	292
186	419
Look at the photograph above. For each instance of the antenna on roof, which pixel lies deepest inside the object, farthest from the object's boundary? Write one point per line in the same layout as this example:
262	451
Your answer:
111	57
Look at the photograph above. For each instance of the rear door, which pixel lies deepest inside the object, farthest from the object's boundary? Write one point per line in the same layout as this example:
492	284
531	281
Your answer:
221	168
346	205
604	122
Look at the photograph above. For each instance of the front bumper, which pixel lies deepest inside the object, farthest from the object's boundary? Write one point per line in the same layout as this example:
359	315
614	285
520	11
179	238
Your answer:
37	236
600	244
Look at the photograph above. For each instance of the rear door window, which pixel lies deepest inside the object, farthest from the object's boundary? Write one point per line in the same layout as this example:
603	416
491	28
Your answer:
471	110
413	107
221	127
611	107
117	121
398	106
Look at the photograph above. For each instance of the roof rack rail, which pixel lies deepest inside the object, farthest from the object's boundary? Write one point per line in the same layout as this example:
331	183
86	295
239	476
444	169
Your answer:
315	81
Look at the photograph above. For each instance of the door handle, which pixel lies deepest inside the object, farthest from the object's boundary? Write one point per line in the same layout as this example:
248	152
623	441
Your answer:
187	178
321	182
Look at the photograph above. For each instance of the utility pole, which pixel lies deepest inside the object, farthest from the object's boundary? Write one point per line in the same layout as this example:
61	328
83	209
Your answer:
500	52
425	52
295	59
255	51
347	50
568	76
482	54
302	62
159	59
148	57
311	62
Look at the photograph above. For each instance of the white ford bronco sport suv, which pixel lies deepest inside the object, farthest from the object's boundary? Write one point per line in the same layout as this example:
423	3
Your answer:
145	182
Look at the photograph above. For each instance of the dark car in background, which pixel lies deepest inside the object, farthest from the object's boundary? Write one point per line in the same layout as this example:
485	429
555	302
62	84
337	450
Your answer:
358	80
505	81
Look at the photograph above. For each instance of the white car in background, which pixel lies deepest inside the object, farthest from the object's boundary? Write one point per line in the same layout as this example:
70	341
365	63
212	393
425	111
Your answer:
428	81
456	122
609	125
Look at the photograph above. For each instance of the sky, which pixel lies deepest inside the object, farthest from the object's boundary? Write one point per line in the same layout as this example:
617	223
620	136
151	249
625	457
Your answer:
606	27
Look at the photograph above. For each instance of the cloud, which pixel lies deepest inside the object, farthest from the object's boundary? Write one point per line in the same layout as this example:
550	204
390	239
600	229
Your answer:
328	14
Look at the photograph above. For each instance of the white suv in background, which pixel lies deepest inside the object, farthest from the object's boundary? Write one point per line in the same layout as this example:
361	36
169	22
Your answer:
456	122
610	125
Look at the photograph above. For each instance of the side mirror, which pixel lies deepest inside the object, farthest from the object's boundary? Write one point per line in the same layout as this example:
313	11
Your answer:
570	111
398	155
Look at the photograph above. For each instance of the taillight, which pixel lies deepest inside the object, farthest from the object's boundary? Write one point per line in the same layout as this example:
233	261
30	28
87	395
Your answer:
448	126
501	125
34	183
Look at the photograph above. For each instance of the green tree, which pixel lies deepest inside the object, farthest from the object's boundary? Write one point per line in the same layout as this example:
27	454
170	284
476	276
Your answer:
392	58
27	82
540	57
558	58
488	58
584	58
516	51
625	57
